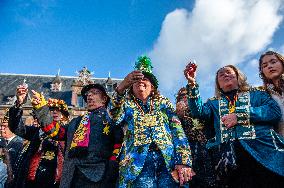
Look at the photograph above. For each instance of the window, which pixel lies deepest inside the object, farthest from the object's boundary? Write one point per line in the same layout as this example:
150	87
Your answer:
80	101
109	88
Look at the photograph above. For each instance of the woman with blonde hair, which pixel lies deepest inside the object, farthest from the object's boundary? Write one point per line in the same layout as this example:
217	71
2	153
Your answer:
252	153
271	69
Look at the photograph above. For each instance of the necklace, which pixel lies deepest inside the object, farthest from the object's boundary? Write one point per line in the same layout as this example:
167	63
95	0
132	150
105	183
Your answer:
146	119
232	103
140	108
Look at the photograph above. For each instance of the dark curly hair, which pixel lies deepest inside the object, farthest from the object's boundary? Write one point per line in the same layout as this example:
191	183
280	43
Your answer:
180	94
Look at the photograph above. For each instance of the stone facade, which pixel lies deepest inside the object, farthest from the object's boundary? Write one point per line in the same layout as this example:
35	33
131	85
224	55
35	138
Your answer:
67	88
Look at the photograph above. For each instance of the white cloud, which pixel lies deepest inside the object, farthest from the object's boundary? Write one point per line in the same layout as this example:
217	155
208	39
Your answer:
250	68
215	33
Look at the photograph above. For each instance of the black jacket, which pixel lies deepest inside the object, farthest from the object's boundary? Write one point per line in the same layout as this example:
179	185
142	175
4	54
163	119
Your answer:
36	139
94	164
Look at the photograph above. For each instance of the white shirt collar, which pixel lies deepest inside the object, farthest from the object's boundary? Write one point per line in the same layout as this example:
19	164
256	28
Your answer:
10	139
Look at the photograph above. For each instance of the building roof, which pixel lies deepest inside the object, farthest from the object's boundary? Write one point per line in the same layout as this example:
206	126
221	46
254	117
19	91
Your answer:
41	83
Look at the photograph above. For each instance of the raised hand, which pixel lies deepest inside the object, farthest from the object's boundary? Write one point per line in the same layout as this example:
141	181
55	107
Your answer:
190	73
21	94
36	98
129	80
185	173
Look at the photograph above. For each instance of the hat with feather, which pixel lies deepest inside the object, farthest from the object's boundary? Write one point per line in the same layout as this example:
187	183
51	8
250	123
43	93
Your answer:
144	64
59	105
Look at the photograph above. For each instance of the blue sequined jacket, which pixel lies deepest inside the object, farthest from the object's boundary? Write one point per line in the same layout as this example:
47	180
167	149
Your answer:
256	112
155	122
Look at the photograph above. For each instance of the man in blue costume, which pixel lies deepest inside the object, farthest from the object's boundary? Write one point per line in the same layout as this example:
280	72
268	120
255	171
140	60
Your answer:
243	119
155	143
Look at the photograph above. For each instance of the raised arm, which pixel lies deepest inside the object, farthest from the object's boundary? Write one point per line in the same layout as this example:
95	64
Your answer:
197	108
53	129
116	105
16	124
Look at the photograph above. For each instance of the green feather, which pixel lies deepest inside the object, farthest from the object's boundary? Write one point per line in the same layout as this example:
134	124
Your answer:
144	63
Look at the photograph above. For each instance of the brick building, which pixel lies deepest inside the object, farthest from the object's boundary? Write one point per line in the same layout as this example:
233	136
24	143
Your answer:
67	88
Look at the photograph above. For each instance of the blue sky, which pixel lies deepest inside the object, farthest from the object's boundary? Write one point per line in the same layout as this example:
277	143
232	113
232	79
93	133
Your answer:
103	35
39	37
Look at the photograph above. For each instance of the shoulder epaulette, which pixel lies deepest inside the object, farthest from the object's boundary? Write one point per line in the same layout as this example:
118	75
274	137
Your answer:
258	88
213	98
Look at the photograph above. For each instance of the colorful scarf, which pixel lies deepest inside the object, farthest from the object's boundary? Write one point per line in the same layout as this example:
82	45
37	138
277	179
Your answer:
81	138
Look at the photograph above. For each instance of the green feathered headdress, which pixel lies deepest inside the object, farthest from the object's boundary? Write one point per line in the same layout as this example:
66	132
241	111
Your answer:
144	64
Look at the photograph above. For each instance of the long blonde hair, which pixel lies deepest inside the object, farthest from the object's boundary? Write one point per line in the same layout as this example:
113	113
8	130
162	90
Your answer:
242	80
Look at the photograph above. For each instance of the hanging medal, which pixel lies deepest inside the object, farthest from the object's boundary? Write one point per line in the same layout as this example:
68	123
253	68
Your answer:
232	108
232	104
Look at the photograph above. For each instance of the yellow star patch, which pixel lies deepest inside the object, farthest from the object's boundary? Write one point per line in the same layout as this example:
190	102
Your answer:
106	129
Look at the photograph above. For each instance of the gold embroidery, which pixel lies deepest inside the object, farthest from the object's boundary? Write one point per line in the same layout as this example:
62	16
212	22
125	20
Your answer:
150	128
149	120
241	108
49	155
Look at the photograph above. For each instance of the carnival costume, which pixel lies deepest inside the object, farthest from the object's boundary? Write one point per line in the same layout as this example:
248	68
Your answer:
253	137
41	160
14	145
92	145
197	135
153	135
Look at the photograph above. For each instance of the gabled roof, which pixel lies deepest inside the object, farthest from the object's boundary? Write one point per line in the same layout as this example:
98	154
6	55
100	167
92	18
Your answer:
40	83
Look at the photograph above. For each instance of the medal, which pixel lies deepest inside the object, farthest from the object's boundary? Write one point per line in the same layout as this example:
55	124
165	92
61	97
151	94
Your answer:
232	108
232	104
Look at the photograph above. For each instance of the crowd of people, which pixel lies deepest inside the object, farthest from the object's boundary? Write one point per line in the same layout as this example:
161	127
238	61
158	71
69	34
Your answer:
137	138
